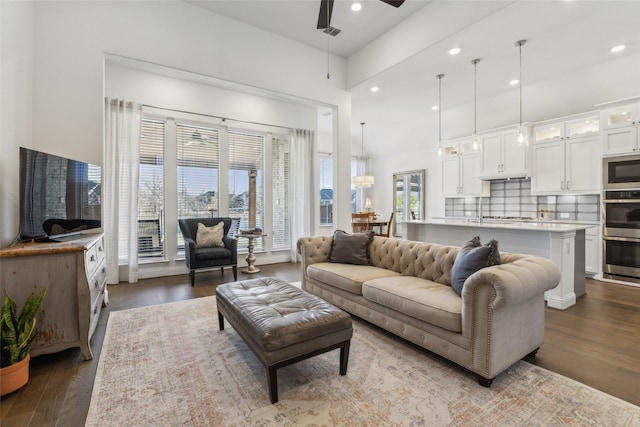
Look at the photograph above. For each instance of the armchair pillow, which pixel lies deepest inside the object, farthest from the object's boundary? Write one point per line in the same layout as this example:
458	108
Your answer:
210	237
351	248
471	258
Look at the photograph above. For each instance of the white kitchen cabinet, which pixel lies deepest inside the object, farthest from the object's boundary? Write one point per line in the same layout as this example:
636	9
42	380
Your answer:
592	251
566	157
502	156
620	126
460	170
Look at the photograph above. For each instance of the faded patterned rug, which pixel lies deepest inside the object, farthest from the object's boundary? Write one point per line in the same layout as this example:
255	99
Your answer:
169	365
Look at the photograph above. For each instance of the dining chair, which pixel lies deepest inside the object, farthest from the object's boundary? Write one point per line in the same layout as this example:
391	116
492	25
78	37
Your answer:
360	221
387	232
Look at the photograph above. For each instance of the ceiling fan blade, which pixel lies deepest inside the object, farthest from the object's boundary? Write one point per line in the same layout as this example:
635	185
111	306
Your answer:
394	3
324	17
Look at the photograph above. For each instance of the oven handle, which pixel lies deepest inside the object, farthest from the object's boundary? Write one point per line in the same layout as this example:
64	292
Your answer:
621	201
621	239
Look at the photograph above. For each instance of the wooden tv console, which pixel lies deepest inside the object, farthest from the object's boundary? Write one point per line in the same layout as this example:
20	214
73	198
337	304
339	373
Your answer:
74	274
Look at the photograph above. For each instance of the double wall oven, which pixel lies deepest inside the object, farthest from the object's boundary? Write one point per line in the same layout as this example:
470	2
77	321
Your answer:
621	210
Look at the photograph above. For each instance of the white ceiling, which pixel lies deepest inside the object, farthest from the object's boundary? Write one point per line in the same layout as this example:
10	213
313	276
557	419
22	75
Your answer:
297	19
567	63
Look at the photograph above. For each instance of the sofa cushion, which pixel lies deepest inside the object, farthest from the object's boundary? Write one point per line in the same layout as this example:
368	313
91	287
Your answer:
422	299
210	237
347	277
471	258
350	248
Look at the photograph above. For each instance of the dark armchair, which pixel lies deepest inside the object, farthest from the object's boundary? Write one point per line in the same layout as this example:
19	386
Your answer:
207	258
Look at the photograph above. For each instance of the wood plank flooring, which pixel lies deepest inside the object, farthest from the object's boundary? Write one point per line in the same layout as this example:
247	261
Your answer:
596	342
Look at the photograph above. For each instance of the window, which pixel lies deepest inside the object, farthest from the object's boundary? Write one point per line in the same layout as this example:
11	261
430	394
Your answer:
246	198
281	191
181	169
326	189
151	190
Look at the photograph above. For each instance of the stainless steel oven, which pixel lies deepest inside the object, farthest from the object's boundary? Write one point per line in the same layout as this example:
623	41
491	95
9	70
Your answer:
621	234
621	172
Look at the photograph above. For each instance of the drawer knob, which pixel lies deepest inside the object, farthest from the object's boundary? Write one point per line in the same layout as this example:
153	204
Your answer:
96	284
93	258
95	310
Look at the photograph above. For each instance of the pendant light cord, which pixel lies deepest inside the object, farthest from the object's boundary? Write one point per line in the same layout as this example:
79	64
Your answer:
440	76
520	43
475	95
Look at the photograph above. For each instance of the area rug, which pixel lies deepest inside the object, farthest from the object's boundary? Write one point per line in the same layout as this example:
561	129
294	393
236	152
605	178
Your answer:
169	365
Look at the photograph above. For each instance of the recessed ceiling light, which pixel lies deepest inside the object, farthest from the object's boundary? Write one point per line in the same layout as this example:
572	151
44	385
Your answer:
455	51
435	108
618	48
356	7
374	89
514	82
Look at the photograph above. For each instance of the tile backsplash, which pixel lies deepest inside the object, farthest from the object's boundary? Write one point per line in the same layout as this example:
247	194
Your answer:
512	198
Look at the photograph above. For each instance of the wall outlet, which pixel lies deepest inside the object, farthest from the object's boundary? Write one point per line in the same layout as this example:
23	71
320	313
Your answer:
564	215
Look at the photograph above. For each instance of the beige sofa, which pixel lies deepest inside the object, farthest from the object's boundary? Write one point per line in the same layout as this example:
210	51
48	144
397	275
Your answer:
406	290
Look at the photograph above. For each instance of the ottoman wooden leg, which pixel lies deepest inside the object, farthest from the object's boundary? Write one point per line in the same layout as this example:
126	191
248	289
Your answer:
272	380
344	357
221	321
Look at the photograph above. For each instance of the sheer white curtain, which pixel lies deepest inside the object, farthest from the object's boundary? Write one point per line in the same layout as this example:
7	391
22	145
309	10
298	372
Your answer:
303	185
120	189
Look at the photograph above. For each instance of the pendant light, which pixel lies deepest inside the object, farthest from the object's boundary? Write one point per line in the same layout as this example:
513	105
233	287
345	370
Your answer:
364	181
474	137
522	132
439	77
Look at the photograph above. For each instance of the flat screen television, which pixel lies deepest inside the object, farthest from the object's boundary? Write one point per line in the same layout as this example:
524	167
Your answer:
59	197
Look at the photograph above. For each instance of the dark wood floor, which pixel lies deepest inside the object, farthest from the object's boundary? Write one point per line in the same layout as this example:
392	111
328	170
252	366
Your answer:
596	342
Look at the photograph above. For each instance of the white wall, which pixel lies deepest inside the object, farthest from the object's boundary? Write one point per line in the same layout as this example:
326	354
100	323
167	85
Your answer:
161	91
72	38
16	106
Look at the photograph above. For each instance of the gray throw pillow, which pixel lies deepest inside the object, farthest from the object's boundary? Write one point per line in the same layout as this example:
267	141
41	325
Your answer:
351	248
471	258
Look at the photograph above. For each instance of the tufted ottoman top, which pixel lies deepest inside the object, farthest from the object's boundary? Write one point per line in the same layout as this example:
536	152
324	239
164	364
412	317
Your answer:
278	314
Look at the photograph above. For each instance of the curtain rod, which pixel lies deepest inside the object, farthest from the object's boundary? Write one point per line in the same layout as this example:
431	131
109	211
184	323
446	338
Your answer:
224	119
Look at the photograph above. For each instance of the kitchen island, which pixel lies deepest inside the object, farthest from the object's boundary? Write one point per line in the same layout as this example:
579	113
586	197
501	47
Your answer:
561	243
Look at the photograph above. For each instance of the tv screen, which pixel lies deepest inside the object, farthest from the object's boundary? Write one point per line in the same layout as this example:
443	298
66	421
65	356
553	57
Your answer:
58	196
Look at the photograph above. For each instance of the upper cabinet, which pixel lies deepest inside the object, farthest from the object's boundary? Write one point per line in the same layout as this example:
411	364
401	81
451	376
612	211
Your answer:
566	156
460	170
502	156
620	129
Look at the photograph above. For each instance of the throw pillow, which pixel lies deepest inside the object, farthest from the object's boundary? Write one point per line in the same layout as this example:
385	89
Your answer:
471	258
351	248
210	237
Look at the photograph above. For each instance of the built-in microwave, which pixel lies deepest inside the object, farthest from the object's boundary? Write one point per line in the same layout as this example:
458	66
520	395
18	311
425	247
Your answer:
621	172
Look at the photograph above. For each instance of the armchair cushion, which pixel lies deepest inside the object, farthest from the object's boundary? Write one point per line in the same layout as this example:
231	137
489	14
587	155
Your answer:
210	237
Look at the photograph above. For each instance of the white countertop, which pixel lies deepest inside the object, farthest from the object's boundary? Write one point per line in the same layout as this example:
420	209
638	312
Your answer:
542	225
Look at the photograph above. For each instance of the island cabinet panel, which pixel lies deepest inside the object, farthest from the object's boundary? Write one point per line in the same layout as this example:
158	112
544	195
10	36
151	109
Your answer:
74	274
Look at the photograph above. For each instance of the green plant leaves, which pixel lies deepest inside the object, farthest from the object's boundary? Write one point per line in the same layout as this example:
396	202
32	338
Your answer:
17	333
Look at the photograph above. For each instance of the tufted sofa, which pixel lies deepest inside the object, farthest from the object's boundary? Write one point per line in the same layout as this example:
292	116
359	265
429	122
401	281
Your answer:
406	289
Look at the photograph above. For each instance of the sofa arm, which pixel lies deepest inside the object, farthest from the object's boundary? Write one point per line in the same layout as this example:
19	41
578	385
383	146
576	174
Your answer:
314	249
513	282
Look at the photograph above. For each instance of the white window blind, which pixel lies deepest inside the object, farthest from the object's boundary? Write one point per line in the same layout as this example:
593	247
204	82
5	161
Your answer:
197	152
151	190
246	195
281	192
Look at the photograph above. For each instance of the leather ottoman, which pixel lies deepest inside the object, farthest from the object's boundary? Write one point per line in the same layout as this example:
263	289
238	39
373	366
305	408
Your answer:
283	324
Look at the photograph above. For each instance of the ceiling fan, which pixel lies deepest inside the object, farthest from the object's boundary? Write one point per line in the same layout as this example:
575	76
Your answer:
326	7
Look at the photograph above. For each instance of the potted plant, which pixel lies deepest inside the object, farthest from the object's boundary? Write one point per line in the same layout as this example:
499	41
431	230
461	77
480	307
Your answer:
17	335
